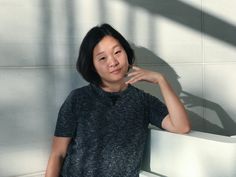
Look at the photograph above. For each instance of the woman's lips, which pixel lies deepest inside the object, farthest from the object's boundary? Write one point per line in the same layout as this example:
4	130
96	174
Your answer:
116	71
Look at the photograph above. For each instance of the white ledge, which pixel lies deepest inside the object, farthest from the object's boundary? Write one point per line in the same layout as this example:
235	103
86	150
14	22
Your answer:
196	154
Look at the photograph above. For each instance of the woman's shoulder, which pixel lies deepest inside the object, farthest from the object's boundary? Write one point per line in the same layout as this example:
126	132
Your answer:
80	89
140	93
78	92
137	90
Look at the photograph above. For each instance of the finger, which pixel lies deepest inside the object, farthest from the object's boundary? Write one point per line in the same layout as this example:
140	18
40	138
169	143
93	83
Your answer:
135	79
131	74
135	75
135	68
131	81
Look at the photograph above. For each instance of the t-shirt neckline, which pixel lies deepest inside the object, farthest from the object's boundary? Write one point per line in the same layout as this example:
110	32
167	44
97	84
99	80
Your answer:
104	93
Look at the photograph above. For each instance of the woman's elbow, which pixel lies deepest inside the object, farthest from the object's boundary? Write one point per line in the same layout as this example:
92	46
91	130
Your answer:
185	129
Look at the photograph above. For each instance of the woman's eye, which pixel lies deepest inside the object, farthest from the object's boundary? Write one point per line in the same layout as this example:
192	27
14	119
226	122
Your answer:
117	52
102	58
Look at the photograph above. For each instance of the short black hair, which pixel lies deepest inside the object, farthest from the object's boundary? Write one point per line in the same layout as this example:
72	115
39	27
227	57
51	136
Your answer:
84	64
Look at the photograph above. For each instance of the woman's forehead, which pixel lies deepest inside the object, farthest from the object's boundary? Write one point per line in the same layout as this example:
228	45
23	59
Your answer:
107	43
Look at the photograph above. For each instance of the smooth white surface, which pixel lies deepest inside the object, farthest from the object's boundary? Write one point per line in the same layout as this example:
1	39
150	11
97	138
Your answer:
196	154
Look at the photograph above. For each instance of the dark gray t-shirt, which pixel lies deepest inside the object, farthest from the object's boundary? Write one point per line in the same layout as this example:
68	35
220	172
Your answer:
108	130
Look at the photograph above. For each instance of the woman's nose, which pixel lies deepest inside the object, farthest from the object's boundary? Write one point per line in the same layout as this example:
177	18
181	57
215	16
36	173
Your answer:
113	62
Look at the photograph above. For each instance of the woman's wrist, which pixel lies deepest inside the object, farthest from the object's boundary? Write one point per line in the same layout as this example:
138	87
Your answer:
159	79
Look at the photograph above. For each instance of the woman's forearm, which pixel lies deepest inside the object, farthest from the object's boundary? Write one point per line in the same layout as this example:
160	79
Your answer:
177	120
58	154
177	113
54	166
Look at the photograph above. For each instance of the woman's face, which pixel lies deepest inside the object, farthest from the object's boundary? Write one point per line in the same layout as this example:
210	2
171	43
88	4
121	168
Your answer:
110	60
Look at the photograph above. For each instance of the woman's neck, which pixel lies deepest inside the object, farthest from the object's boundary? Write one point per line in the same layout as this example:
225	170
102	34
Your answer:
114	87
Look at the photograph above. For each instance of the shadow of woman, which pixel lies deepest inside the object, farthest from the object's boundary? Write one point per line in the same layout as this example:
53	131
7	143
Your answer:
147	59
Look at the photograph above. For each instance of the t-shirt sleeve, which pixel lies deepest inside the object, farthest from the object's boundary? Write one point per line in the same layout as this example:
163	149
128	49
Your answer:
66	121
157	110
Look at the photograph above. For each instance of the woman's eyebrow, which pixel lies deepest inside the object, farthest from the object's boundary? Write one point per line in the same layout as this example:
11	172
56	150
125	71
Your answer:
99	53
116	45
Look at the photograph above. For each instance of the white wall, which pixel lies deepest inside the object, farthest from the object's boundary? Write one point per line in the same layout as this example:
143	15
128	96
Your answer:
191	42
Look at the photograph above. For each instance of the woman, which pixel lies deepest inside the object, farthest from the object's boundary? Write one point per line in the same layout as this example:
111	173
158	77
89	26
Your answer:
102	128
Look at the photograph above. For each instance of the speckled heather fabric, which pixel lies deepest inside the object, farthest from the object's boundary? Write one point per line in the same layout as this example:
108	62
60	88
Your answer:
108	130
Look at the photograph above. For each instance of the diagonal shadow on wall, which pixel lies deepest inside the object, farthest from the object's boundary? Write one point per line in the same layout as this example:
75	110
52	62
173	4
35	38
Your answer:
190	17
